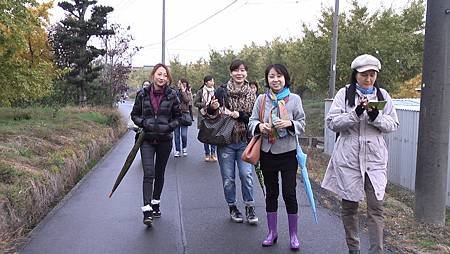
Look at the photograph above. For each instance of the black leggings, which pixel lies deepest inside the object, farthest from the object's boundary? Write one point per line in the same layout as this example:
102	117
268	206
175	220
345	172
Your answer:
154	160
271	165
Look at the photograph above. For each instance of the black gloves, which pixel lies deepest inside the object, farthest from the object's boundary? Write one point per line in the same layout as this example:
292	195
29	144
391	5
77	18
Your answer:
359	110
373	114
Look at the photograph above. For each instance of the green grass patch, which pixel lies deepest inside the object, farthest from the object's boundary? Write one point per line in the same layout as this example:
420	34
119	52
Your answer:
25	152
93	117
22	120
103	118
426	242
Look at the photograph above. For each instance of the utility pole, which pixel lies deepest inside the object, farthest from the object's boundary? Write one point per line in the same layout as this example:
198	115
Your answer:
163	42
432	151
332	82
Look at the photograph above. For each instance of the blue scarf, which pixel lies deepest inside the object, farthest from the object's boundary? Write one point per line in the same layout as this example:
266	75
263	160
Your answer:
279	96
278	111
365	90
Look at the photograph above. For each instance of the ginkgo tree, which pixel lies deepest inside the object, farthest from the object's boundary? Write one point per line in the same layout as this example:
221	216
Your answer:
26	63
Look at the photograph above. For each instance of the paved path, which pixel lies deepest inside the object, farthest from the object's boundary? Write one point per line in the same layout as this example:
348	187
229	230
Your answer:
194	218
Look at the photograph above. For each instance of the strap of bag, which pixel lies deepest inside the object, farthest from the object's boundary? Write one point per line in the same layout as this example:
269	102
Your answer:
262	109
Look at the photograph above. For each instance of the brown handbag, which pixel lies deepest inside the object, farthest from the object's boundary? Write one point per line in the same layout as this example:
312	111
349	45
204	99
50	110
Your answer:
253	150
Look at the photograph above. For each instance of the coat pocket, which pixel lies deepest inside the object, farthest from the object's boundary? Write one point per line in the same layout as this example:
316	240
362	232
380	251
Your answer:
376	152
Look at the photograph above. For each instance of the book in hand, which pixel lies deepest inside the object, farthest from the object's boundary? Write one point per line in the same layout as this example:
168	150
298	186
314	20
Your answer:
377	104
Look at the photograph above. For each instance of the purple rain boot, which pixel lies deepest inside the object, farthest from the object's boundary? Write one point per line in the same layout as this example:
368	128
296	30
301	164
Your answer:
272	225
292	218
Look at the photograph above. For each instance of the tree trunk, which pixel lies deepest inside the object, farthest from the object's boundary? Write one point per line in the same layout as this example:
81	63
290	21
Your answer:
82	97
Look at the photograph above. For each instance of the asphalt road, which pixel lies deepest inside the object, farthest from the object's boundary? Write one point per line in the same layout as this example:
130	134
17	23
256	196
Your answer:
194	218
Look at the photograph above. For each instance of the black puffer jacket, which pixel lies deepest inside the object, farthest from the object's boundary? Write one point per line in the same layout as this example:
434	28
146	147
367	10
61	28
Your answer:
159	126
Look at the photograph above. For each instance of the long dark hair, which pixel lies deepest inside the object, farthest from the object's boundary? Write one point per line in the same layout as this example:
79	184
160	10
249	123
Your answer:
350	92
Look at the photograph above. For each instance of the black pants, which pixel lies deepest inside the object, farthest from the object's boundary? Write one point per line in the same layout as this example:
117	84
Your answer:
154	160
271	165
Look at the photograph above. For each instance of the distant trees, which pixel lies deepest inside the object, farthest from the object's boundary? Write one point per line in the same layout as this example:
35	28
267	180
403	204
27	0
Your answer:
410	88
82	60
396	38
116	65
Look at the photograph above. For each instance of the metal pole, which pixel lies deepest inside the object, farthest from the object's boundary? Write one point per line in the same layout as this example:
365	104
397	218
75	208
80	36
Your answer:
163	42
432	151
332	82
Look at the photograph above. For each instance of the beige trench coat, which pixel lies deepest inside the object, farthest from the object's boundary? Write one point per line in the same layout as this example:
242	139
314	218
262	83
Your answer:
360	148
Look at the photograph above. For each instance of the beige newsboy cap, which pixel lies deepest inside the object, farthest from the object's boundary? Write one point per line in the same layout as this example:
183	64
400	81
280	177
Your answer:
366	62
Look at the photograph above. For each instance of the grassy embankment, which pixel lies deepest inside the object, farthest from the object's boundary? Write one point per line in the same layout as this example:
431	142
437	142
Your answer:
403	234
43	153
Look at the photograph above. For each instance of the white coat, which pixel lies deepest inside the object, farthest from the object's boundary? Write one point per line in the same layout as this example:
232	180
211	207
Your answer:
360	148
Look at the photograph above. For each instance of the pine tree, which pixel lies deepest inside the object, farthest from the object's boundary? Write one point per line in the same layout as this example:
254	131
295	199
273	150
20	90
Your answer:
70	42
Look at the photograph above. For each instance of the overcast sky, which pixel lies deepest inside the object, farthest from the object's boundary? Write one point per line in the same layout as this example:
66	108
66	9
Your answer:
236	23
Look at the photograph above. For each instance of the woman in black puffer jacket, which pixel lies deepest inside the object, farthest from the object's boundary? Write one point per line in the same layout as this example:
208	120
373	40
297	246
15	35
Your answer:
156	110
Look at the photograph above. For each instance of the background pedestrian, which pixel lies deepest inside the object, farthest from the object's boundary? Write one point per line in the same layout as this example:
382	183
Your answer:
185	96
202	100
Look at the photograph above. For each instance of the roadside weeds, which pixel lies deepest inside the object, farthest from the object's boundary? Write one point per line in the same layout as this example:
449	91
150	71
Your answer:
44	152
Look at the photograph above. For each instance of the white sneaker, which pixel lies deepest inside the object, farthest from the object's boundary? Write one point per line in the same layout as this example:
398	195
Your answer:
176	154
184	151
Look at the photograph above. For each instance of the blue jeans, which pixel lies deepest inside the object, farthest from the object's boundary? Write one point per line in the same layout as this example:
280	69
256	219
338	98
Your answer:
180	131
209	149
228	157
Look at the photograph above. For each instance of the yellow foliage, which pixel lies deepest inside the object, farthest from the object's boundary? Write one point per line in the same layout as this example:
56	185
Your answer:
28	68
41	11
410	88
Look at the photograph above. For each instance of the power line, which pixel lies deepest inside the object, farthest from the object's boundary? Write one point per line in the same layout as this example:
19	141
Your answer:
120	4
273	2
196	25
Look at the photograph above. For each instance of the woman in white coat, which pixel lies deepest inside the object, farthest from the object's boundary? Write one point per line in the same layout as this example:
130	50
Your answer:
358	165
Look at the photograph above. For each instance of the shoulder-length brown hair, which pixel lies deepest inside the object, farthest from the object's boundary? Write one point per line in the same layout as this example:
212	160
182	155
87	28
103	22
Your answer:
169	77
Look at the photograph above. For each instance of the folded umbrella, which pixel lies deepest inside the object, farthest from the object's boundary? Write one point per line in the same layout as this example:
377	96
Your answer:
260	177
301	158
129	160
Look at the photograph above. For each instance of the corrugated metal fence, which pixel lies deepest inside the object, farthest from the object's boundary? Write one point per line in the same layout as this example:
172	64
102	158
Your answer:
402	144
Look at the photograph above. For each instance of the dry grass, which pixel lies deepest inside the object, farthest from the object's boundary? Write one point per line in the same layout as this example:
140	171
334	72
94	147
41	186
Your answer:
43	153
402	233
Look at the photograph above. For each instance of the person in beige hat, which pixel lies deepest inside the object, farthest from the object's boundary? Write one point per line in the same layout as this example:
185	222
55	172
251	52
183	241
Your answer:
358	165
